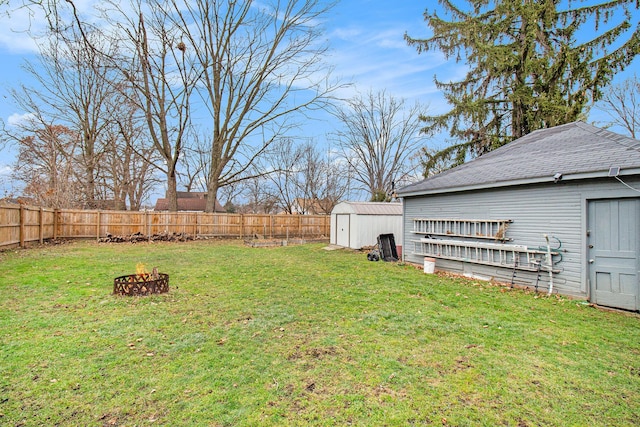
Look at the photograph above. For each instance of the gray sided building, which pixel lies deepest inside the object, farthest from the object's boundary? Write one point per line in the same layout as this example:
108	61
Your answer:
558	209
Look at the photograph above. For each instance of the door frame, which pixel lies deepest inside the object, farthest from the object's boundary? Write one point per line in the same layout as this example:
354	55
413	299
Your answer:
586	272
348	228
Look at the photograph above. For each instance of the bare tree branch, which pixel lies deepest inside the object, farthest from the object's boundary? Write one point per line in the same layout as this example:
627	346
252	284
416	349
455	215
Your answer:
378	138
162	78
622	104
261	72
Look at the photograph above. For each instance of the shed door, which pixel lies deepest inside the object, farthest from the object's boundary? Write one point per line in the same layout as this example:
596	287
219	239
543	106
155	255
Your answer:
342	230
613	252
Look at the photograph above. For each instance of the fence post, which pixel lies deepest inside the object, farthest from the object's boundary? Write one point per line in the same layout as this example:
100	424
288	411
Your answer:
55	224
97	226
22	226
146	225
41	226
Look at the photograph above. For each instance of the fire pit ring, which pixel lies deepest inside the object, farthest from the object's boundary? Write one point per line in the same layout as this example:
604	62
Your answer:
141	284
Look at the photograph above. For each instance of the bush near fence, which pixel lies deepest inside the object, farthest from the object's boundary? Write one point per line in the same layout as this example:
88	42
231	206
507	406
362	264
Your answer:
22	224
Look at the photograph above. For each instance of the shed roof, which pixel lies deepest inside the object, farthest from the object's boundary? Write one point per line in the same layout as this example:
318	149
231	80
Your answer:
576	150
368	208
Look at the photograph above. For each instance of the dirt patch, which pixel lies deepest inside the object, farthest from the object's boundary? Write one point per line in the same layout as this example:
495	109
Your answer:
315	353
269	243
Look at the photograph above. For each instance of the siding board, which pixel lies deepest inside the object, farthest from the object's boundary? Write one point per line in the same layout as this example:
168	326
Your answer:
554	209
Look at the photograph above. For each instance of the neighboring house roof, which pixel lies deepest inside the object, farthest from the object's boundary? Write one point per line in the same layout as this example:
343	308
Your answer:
191	194
576	150
369	208
188	204
311	206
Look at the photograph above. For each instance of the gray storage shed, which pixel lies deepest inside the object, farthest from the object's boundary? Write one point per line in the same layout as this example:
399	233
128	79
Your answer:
358	224
557	210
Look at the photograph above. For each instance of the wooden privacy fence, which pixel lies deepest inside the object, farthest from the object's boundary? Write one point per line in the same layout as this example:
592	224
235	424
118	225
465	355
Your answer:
21	224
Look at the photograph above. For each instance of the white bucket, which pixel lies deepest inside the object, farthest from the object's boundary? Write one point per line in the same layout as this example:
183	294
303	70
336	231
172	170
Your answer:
429	265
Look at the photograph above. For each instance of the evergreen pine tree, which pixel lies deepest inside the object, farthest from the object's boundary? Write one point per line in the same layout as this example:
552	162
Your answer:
532	64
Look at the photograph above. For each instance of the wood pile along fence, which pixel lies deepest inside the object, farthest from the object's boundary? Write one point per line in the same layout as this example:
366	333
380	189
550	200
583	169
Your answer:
22	224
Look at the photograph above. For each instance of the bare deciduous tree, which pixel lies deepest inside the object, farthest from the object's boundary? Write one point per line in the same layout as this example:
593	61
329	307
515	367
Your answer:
79	88
261	71
282	164
46	164
194	164
259	199
230	193
622	103
72	86
258	68
155	63
379	136
324	180
127	165
303	179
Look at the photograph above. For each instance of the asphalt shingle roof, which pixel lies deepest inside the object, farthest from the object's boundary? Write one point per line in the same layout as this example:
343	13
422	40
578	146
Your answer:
573	148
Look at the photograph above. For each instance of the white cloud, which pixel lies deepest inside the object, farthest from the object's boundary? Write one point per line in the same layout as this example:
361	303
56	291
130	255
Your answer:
16	119
379	58
17	25
22	22
345	33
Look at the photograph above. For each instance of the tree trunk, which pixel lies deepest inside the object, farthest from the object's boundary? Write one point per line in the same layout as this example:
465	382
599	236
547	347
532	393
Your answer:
172	191
212	193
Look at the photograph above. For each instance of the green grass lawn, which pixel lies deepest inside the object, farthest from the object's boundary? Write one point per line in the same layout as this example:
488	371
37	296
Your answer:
298	335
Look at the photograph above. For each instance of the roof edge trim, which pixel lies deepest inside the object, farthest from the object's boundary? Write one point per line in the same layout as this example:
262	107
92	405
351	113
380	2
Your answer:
515	183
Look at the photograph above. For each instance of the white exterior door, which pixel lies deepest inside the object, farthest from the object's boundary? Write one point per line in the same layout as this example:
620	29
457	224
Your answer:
342	229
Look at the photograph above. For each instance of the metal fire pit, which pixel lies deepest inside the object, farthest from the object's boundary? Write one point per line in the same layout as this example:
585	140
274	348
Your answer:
141	284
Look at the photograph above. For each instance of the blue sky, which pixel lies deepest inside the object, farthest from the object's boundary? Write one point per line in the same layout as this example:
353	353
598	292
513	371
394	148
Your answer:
367	48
